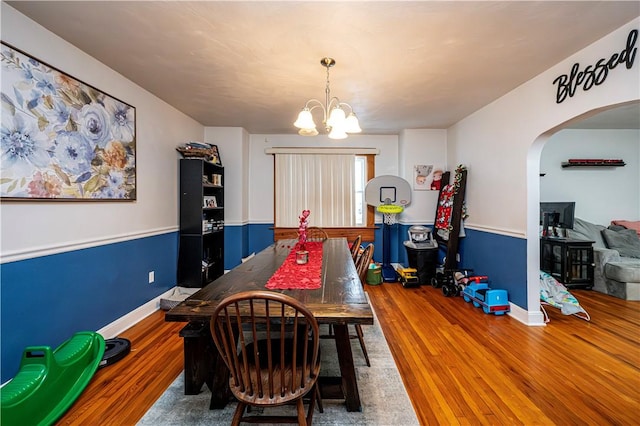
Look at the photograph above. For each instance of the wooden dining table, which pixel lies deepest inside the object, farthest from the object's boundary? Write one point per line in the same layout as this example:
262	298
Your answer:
339	301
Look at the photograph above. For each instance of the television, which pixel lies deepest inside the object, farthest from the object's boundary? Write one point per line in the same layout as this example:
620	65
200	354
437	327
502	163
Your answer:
558	214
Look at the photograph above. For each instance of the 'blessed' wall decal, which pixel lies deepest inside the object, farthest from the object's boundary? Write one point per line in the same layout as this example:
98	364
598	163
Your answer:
595	75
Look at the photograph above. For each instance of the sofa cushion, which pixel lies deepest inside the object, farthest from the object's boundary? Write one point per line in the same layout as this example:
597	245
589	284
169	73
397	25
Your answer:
624	271
583	230
626	242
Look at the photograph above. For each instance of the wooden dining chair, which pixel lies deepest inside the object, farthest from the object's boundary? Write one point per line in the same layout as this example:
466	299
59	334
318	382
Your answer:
315	233
362	265
270	343
355	247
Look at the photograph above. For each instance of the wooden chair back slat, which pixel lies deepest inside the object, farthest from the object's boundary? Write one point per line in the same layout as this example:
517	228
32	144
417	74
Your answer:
315	233
363	262
355	247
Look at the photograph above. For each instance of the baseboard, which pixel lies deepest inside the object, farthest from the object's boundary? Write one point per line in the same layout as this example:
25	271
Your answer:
112	330
529	318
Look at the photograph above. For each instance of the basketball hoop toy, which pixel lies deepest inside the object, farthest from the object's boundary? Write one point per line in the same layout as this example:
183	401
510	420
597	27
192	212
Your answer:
389	194
389	213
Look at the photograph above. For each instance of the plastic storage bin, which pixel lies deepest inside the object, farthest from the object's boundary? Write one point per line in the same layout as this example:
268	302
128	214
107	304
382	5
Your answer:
374	275
424	259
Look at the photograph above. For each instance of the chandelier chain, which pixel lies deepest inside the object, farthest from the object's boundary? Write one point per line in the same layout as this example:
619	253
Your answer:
327	94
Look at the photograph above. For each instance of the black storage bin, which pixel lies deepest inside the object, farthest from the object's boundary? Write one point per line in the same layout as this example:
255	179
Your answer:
424	260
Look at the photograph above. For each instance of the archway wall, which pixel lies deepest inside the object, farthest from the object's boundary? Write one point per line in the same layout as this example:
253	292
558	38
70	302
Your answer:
501	144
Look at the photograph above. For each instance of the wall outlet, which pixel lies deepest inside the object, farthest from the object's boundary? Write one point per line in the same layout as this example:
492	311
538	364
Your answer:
152	277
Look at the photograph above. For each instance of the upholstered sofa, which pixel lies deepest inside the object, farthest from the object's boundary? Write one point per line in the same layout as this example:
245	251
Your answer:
616	255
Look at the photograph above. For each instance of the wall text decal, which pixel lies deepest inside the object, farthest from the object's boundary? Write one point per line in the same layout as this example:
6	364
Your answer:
594	75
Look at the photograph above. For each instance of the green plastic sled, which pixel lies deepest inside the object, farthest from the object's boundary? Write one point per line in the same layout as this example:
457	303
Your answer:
48	382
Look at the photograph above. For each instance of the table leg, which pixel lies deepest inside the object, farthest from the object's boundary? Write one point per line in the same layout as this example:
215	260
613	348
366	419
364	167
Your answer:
220	392
347	368
198	357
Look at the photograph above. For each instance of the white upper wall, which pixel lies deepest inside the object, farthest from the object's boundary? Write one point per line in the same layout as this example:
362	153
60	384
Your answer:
233	145
495	141
31	228
601	194
421	147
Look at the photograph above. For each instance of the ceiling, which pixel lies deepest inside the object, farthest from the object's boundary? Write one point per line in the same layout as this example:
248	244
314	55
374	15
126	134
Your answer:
401	65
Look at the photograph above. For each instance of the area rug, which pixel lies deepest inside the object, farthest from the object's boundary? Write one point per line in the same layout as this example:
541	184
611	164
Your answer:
382	393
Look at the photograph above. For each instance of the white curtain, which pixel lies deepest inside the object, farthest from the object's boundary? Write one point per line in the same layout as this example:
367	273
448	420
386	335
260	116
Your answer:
321	183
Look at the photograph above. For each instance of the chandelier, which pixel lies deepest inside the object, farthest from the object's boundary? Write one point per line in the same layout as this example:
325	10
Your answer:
335	119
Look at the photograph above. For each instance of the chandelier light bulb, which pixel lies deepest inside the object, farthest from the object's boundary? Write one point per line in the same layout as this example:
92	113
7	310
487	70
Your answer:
336	118
305	120
308	132
337	132
351	124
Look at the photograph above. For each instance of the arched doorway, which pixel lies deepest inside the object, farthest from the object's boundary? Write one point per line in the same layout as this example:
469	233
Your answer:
620	116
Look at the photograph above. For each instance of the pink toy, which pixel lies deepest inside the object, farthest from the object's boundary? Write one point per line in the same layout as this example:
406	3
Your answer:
302	229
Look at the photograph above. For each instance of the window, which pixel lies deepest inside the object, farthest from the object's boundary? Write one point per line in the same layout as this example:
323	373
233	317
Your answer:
321	183
330	185
328	181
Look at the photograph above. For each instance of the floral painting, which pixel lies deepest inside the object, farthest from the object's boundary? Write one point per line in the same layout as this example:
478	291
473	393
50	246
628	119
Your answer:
60	138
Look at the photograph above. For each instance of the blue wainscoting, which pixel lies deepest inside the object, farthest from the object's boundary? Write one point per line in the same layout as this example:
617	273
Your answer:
502	258
241	241
260	237
47	299
234	243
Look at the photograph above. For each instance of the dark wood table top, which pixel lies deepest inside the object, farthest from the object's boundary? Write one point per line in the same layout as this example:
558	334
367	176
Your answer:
340	300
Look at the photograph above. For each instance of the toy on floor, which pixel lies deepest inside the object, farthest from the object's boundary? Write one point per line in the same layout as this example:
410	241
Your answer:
389	195
493	301
452	281
408	277
49	381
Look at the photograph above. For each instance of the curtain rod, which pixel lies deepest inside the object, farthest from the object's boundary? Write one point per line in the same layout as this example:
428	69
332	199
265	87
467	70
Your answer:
321	150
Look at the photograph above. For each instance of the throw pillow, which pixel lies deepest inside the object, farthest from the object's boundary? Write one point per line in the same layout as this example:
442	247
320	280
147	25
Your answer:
583	230
626	242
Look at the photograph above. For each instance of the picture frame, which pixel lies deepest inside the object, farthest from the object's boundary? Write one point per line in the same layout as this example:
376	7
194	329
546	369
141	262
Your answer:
209	201
82	141
215	156
427	177
421	174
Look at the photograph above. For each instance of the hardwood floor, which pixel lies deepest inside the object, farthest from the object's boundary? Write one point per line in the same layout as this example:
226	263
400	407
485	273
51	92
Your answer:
120	394
465	367
459	365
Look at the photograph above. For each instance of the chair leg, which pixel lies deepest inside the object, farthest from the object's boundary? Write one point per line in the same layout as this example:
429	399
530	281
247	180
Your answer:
362	345
302	419
312	403
237	416
319	399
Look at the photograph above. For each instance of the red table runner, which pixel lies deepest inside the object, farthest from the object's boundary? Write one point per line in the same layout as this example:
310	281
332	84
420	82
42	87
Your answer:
291	276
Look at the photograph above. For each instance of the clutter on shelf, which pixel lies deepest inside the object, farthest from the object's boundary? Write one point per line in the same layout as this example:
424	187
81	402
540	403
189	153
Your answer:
202	150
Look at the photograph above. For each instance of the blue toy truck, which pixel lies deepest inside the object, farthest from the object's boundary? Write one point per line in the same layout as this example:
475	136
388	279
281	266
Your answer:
493	301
